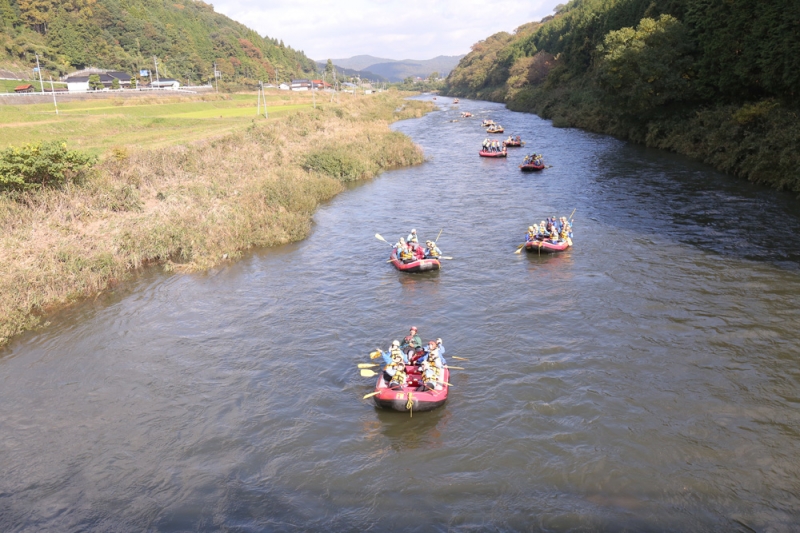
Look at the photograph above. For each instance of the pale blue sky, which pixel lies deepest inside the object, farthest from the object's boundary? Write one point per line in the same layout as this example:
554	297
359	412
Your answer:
413	29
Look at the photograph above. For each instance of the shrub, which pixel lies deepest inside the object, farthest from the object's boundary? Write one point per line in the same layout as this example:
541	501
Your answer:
336	162
47	164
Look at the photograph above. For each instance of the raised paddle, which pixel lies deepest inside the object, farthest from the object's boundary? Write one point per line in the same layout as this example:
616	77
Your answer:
437	237
378	236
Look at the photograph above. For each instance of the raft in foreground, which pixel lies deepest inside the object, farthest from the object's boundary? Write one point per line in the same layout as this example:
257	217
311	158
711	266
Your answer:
545	247
408	398
418	265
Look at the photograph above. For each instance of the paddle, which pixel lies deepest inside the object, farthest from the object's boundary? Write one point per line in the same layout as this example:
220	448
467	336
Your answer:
368	365
456	367
368	373
437	237
378	236
371	394
520	247
460	358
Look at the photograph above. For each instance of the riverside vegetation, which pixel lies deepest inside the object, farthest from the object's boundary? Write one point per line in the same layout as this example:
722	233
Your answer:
717	81
184	206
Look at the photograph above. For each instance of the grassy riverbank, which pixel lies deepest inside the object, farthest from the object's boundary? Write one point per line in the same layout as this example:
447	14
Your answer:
189	206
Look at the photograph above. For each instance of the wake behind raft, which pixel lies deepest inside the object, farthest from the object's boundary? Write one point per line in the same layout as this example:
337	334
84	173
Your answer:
408	398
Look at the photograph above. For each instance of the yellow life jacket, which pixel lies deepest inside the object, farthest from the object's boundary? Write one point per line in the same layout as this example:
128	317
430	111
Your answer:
397	355
399	376
406	254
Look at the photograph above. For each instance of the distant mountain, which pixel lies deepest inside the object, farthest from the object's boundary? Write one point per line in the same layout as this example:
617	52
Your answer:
394	70
358	62
349	72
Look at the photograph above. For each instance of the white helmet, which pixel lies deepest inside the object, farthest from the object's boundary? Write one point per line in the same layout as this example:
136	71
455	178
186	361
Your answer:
395	343
413	230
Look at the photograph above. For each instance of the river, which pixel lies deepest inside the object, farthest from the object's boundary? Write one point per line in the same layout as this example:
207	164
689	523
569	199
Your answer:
645	380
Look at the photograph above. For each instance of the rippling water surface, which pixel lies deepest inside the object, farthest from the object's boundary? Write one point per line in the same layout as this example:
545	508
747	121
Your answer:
645	380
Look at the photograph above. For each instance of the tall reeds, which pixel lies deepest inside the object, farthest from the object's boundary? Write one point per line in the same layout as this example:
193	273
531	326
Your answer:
189	207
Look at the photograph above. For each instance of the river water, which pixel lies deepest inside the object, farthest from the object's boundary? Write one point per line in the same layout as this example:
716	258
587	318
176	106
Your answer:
645	380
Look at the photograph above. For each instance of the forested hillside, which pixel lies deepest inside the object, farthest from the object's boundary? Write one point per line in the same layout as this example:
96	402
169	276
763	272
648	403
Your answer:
186	36
715	79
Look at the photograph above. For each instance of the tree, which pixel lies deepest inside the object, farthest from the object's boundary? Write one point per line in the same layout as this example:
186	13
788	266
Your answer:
434	76
648	66
329	68
94	82
115	84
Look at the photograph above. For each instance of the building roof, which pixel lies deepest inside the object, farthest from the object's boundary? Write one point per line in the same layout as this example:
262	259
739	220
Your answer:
23	87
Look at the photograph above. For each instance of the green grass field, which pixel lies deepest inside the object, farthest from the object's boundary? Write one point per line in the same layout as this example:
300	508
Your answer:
151	121
7	86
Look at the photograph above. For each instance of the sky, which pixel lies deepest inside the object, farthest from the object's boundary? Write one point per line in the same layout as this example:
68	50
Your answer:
411	29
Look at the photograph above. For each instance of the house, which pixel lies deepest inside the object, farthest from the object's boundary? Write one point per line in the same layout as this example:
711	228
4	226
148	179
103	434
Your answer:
165	83
301	85
79	82
283	87
320	84
26	88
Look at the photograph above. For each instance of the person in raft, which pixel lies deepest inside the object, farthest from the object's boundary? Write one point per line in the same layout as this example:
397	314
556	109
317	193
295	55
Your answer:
431	368
412	237
394	359
404	252
433	251
412	340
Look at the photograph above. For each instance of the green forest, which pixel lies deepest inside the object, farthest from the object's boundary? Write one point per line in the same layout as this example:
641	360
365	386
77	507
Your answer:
186	36
718	80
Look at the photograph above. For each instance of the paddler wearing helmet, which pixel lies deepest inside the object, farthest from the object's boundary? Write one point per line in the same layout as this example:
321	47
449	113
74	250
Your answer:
412	237
412	340
395	360
432	251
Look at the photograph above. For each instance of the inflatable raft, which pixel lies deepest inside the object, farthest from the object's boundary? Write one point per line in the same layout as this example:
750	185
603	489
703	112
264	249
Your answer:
531	167
408	398
418	265
514	143
545	247
484	153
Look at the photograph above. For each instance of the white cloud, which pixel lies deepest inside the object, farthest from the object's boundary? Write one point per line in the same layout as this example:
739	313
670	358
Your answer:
414	29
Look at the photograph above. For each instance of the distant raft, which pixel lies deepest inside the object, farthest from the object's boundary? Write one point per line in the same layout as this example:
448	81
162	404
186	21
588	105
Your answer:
531	167
484	153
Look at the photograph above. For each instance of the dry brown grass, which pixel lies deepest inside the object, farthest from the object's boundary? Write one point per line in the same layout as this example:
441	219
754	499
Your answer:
184	207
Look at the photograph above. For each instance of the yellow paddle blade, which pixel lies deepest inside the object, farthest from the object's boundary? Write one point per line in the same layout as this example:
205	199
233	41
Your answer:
368	373
380	238
456	367
519	248
371	394
367	365
460	358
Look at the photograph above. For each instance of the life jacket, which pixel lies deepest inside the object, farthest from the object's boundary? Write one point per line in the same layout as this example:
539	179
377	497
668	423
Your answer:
433	251
400	376
396	354
406	254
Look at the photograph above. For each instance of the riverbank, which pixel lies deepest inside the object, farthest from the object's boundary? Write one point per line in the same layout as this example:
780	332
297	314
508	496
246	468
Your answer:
189	207
756	141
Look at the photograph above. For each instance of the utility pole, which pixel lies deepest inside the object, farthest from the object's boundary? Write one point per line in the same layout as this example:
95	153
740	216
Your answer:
216	90
53	90
39	70
155	62
258	106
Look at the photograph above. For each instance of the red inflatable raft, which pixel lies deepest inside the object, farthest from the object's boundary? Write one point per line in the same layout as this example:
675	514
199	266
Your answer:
408	398
530	167
545	247
513	143
418	265
484	153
